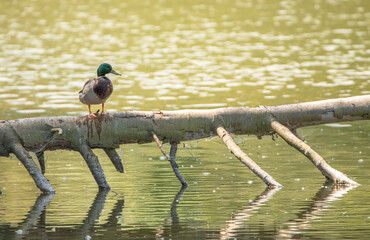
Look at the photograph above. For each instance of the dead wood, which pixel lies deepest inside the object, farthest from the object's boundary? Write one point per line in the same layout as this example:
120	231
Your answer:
108	131
171	158
243	157
329	172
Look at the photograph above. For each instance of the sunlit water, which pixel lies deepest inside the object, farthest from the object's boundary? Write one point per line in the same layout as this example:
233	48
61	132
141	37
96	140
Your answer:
183	55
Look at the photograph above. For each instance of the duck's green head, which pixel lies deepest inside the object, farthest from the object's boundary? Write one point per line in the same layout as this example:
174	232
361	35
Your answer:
106	68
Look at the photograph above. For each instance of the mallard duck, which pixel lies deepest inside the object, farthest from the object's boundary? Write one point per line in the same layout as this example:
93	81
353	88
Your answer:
98	90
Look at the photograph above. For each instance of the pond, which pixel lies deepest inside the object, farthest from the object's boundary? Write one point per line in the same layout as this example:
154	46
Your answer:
188	55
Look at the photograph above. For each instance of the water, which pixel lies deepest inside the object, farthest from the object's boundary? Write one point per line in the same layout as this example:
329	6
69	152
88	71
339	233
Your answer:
188	55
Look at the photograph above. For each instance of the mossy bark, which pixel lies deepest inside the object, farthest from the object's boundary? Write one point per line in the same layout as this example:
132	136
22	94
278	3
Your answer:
108	131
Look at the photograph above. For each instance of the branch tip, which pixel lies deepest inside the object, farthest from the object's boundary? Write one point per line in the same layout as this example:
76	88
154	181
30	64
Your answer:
58	130
243	157
330	173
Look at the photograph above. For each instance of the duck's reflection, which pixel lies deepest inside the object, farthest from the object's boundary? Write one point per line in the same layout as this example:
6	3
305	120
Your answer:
239	218
326	195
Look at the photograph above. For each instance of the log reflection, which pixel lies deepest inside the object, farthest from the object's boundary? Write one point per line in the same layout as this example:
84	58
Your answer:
35	225
239	218
321	202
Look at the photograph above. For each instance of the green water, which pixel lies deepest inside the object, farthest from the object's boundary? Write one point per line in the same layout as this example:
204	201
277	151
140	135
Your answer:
188	55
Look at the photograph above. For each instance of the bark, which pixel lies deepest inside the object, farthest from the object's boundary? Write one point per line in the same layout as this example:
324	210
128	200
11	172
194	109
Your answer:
115	158
243	157
108	131
171	159
41	182
94	166
329	172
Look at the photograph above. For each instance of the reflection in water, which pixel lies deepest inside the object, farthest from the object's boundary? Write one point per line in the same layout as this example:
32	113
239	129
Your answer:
182	54
94	212
237	221
326	195
321	202
88	228
36	217
173	220
115	218
35	225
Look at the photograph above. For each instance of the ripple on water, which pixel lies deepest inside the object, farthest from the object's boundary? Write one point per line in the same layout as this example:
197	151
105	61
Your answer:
205	105
30	111
189	55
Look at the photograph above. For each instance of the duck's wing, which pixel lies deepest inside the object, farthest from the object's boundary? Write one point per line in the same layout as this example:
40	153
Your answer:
88	84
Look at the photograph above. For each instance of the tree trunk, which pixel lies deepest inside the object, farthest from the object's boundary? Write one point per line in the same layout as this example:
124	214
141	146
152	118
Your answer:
108	131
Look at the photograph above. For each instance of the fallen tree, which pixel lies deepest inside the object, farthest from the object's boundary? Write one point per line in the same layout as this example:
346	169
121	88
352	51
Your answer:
108	131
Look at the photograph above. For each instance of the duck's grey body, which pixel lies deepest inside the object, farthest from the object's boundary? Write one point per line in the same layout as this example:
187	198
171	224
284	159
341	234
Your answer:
96	91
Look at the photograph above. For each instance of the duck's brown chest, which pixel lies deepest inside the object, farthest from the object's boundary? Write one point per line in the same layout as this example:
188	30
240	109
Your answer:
103	87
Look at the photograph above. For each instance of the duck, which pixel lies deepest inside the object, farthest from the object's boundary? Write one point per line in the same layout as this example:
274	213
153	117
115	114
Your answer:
98	90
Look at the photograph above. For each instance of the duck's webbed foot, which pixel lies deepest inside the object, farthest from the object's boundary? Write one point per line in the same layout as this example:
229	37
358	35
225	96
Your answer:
91	115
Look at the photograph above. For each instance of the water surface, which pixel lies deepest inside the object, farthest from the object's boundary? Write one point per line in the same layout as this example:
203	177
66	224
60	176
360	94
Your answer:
188	55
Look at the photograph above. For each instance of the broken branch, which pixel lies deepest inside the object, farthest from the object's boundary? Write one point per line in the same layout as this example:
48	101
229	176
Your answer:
115	158
171	158
108	131
41	182
94	166
243	157
330	173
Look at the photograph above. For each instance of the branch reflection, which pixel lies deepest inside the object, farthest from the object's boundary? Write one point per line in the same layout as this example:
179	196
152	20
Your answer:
173	220
94	212
36	216
96	208
237	221
34	224
321	202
